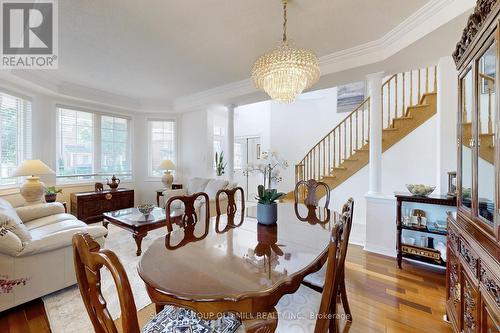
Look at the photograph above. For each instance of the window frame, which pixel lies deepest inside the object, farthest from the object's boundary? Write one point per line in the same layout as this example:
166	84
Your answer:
97	175
24	134
175	121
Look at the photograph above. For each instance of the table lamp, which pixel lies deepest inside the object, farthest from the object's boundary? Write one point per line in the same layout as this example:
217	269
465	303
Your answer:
32	189
167	178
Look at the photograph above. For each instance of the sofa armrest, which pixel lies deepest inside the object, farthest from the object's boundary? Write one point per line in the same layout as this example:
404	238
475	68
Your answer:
173	193
60	239
10	244
30	213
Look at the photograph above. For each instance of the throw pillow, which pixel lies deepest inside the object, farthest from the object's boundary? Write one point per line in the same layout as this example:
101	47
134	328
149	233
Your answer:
10	221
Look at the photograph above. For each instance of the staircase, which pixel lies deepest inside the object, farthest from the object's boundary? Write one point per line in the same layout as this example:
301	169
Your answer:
408	100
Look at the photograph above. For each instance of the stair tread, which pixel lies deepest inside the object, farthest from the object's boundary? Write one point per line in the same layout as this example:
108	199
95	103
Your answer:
351	159
419	105
404	118
390	129
487	134
339	168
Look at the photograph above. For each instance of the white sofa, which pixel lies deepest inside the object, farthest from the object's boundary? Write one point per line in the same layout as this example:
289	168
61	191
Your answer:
208	185
35	244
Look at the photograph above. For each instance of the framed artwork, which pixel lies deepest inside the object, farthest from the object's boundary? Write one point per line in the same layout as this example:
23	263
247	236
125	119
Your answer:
349	96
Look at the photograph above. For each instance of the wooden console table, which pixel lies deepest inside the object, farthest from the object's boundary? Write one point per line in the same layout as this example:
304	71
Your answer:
159	192
90	206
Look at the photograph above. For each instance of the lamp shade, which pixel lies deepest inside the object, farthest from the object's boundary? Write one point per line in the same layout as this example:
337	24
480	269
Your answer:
32	168
167	165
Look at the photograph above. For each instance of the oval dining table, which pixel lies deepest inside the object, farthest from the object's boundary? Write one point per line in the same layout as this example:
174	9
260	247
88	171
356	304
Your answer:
237	265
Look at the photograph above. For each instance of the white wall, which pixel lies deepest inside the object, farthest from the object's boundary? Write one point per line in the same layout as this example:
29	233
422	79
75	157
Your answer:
254	120
296	127
195	145
446	122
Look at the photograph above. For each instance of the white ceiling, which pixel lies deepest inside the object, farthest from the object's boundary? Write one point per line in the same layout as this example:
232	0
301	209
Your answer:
164	49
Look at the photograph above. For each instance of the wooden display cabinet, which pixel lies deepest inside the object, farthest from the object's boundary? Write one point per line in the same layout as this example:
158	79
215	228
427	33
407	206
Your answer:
473	304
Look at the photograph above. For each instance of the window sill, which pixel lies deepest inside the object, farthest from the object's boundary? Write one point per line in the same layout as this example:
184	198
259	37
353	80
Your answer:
9	190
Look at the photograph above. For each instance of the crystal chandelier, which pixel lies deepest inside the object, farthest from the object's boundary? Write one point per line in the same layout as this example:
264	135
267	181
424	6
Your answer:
285	72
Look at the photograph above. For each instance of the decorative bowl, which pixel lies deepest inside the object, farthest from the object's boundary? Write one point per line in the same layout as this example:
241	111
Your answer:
146	209
420	190
408	240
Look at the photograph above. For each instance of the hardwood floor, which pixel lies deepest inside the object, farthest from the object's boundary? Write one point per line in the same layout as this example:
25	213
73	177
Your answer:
382	299
26	318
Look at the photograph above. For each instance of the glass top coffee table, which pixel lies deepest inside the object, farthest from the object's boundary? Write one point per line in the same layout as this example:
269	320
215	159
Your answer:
138	224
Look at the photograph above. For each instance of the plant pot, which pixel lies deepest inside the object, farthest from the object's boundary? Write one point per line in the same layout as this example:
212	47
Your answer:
50	197
267	214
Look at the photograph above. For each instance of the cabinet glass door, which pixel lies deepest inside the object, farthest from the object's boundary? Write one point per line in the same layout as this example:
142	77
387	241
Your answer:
466	147
486	108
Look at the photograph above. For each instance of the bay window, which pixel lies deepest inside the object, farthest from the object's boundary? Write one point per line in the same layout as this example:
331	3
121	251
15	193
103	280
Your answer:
15	135
92	146
161	144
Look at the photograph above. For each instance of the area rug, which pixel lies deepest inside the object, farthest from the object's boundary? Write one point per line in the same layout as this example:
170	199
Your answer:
67	314
65	308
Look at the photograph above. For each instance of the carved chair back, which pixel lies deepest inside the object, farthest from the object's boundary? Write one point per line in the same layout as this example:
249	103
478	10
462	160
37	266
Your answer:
337	252
231	209
314	215
328	306
187	219
348	211
89	258
311	186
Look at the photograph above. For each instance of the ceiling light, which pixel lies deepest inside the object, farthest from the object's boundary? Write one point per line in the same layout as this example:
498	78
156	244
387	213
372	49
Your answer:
285	72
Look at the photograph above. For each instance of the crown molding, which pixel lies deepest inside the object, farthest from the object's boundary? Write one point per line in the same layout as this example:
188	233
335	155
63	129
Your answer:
430	17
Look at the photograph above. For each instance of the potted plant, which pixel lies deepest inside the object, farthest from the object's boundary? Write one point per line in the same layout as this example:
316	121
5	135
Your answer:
51	193
267	208
219	164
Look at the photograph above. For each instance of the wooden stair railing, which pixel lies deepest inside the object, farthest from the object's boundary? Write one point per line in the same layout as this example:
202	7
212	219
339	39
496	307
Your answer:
346	146
338	145
403	90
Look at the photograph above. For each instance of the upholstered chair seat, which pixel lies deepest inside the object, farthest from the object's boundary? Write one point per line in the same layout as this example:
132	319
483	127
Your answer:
174	319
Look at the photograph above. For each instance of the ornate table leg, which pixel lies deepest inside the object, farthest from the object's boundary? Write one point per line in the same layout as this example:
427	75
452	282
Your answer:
105	225
138	240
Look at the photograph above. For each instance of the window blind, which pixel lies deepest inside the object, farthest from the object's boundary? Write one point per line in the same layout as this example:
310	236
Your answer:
161	144
91	145
15	135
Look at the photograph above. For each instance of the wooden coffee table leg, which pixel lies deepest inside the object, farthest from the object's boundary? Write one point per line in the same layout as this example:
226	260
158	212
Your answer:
138	240
105	225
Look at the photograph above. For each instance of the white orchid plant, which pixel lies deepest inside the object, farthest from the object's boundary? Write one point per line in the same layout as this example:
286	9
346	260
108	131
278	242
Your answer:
269	168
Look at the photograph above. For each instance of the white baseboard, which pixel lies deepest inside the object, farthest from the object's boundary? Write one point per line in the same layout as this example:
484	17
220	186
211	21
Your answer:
381	250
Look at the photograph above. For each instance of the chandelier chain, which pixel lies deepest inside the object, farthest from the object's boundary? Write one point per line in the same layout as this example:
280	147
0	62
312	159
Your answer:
285	20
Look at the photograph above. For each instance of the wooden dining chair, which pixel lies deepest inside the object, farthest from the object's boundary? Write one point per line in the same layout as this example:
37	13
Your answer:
311	187
186	217
231	208
327	320
89	259
317	281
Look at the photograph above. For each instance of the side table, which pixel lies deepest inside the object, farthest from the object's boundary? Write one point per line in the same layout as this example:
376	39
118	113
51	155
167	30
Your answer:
159	192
